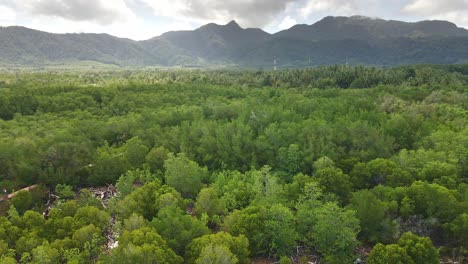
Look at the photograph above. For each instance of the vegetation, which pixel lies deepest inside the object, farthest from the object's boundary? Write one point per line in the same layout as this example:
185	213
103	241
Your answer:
227	166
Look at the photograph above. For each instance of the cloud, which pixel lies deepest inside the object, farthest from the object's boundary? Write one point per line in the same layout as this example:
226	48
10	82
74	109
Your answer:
430	7
453	10
341	8
100	11
249	13
287	23
7	14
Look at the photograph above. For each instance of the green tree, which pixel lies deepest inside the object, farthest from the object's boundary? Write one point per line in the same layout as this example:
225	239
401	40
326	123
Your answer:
370	211
178	228
237	245
135	151
458	230
381	254
45	254
335	232
64	191
142	246
209	203
156	157
22	201
216	254
419	249
280	230
184	175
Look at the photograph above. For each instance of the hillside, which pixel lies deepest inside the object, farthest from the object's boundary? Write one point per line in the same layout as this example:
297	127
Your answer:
332	40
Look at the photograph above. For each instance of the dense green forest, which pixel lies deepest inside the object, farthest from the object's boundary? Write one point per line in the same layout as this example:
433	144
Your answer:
327	164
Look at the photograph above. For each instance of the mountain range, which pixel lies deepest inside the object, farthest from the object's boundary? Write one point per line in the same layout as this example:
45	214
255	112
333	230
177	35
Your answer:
332	40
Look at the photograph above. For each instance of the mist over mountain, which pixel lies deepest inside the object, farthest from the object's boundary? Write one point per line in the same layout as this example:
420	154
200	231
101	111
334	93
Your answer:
332	40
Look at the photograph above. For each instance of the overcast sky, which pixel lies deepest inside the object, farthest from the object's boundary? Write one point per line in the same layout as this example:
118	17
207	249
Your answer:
143	19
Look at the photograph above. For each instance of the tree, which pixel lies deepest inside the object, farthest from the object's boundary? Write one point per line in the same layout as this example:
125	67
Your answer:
156	157
458	230
280	230
266	187
333	180
334	233
142	246
45	254
125	184
370	211
64	191
419	249
109	165
178	228
22	201
148	200
135	151
237	245
216	254
394	254
209	203
387	172
290	160
235	188
184	175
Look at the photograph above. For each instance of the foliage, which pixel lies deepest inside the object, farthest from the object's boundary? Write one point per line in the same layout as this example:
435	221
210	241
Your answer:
236	245
223	166
184	175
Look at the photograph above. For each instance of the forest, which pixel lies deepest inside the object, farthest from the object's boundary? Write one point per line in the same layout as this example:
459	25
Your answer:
334	164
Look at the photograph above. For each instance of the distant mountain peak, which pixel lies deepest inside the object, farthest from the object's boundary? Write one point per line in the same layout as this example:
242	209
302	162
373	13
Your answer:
232	24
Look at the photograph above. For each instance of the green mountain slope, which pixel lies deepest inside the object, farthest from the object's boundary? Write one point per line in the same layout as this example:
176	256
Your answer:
333	40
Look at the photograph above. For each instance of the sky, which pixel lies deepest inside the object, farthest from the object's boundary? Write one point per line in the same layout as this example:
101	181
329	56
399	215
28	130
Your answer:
144	19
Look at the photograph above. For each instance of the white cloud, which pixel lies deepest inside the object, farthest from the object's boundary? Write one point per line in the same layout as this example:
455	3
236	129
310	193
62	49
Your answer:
7	14
452	10
142	19
100	11
287	23
431	7
341	8
249	13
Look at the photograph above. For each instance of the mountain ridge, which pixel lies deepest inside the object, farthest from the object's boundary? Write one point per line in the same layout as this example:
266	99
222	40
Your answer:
332	40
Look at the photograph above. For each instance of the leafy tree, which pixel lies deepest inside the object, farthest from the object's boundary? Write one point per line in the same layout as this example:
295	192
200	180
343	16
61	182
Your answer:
178	228
280	230
290	160
64	191
370	211
135	152
156	157
148	200
109	165
184	175
236	245
143	245
216	254
458	230
334	181
45	254
266	187
235	188
125	183
250	222
381	254
419	249
334	233
209	203
22	201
